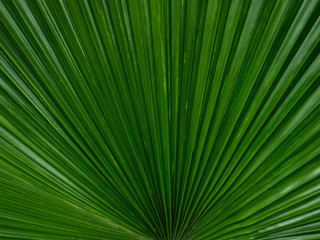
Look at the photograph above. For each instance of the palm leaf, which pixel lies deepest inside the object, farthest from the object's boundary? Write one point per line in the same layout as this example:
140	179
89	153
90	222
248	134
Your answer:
160	119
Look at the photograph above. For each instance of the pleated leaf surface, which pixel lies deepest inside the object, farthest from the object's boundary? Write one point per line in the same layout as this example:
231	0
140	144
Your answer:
147	119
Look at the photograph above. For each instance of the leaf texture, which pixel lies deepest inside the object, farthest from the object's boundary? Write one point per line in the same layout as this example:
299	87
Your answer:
145	119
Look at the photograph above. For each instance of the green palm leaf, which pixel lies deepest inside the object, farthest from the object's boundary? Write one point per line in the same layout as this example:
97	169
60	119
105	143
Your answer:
160	119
